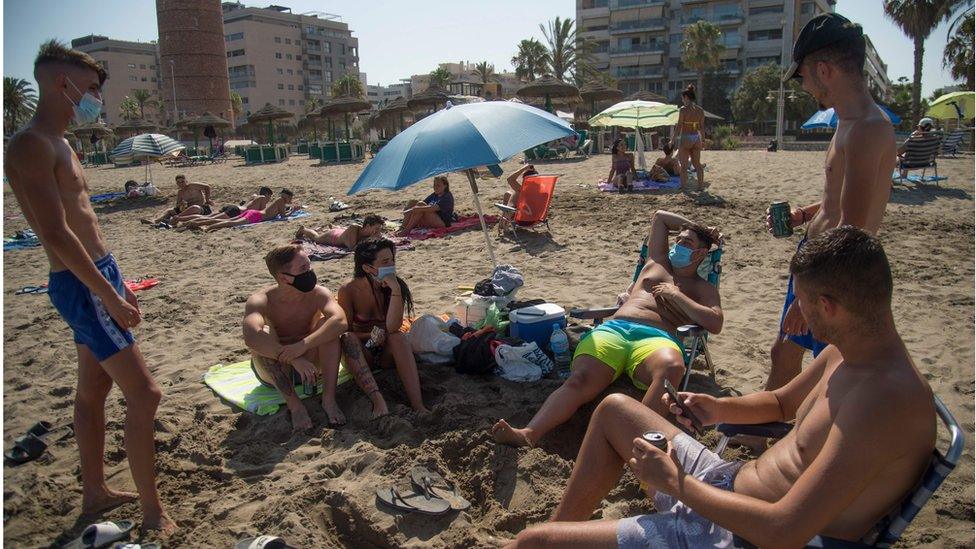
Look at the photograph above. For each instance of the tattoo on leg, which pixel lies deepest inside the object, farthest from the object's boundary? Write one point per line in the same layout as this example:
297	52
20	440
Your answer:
281	380
356	363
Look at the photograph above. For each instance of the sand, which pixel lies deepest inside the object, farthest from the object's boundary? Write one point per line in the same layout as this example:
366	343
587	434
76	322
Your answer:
224	473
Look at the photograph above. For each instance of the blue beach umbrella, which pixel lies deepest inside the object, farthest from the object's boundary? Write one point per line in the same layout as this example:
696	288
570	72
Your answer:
828	118
460	138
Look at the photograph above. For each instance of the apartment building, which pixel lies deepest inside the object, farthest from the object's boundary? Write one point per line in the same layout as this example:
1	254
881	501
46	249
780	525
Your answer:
379	96
131	66
465	82
638	42
283	58
877	72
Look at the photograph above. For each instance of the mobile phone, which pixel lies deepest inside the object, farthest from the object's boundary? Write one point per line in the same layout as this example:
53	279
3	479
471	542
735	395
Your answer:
685	411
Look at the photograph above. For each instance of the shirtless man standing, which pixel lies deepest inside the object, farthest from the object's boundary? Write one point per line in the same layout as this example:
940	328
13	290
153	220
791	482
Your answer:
294	330
639	338
828	57
86	285
192	199
850	458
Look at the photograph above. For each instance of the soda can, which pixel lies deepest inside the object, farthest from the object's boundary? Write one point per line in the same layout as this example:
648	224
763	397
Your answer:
657	439
308	388
779	213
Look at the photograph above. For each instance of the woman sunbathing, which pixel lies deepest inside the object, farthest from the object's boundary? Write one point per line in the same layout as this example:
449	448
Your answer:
343	237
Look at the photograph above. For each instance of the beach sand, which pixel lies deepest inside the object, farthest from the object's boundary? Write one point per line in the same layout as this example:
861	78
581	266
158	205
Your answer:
225	473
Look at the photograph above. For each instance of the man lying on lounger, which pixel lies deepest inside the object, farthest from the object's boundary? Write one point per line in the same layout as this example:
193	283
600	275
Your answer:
191	199
279	208
864	434
293	331
639	339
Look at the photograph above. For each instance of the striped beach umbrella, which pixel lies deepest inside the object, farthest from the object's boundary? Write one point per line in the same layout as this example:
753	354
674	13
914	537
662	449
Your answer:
148	147
637	114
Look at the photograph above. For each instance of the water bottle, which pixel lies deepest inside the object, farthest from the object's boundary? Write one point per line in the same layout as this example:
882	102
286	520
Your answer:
559	344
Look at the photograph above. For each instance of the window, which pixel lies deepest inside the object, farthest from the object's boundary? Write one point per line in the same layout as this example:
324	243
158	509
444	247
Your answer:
298	57
277	55
291	87
327	47
299	71
301	102
133	79
281	86
298	42
291	71
291	102
327	76
328	62
342	66
280	71
235	36
771	34
287	40
808	8
315	89
240	71
281	102
132	65
152	79
765	9
244	100
142	66
244	84
152	67
277	39
144	79
757	61
235	53
288	56
342	49
300	87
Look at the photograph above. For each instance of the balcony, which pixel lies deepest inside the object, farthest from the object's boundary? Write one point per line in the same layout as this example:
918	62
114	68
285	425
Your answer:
639	25
638	72
650	47
723	19
731	43
624	4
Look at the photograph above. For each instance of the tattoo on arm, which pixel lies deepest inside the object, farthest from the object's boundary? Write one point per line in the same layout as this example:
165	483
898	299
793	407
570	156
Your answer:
282	380
356	363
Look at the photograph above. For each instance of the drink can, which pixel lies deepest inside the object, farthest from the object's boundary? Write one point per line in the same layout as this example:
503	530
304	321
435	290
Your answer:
779	213
657	439
308	388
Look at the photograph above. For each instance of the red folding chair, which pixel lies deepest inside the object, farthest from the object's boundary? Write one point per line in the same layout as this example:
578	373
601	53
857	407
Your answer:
533	204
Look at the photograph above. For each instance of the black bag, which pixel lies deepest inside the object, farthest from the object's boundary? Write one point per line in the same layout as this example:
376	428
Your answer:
485	288
474	355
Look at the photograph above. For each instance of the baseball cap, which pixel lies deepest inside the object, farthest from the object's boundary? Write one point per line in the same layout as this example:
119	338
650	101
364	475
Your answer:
926	122
818	33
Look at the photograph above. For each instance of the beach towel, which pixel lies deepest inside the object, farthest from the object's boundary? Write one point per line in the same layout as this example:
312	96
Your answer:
461	224
644	185
915	178
106	197
21	240
323	252
297	214
237	384
135	285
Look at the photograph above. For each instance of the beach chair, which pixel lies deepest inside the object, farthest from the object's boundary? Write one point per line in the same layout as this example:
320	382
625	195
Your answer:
532	209
530	155
920	154
694	336
890	528
953	142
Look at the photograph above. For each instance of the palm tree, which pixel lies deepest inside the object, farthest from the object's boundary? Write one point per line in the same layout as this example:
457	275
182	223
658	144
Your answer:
236	104
959	52
312	104
128	108
19	102
530	60
349	85
700	51
917	19
486	73
440	77
143	98
564	51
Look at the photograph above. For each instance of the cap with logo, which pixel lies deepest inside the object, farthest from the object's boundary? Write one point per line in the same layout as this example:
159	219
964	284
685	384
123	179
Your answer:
818	33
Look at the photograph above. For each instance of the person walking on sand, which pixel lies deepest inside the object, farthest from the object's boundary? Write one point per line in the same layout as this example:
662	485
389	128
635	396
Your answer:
85	284
687	133
828	58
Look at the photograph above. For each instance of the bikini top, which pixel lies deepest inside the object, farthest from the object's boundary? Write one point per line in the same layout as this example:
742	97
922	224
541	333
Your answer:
370	322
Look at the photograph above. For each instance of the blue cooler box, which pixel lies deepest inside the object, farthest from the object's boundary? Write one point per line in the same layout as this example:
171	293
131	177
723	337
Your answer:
535	323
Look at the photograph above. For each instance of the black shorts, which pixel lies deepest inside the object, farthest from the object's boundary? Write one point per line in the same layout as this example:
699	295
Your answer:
206	209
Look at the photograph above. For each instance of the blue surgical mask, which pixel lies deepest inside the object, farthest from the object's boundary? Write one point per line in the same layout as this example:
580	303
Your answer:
680	256
383	272
87	109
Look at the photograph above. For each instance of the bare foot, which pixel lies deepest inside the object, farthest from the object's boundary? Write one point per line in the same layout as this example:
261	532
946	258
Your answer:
422	410
379	406
162	526
111	499
336	417
506	434
145	221
300	233
300	420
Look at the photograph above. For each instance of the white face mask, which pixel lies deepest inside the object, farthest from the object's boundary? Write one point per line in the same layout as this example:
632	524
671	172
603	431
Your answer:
88	107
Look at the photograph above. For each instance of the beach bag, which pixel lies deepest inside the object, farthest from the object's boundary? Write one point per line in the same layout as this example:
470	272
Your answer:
428	335
514	366
495	318
530	351
474	356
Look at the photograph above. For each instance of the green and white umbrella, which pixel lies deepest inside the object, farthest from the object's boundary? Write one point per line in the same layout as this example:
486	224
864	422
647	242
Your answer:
958	105
146	146
637	115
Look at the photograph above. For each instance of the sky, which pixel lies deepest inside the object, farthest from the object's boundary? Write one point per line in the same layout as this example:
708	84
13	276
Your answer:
398	39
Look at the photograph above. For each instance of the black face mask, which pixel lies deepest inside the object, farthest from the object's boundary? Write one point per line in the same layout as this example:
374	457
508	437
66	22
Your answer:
304	282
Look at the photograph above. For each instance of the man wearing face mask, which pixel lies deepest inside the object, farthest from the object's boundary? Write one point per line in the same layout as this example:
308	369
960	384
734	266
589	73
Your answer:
293	330
85	283
639	340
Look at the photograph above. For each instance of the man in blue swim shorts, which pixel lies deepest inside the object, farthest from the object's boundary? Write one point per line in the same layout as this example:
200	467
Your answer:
639	339
86	285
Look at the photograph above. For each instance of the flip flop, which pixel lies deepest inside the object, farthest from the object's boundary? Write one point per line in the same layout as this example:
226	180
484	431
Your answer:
412	502
263	542
141	283
26	448
338	206
434	485
101	534
32	290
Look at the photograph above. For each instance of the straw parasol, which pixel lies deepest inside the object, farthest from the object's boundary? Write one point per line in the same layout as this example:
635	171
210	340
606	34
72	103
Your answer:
548	86
344	105
207	119
310	122
596	91
396	107
432	96
136	126
97	129
647	96
269	113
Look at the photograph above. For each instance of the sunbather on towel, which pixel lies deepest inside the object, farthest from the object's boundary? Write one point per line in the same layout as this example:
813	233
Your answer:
864	434
639	339
258	201
511	197
435	211
293	330
225	213
279	208
191	199
343	237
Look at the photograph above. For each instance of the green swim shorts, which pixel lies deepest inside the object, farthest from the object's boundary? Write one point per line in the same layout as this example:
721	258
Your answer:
623	345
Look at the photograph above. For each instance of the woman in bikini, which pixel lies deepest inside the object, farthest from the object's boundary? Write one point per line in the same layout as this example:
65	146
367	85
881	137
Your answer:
688	134
377	298
622	170
343	237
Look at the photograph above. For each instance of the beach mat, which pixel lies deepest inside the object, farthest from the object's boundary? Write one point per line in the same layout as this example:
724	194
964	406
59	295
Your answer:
323	252
461	224
297	214
644	185
237	384
21	240
106	197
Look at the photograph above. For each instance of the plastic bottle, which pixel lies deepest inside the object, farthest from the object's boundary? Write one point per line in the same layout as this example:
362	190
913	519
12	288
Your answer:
559	344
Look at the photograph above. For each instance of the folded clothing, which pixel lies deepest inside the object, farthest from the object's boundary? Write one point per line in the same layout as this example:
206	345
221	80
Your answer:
462	223
237	384
643	185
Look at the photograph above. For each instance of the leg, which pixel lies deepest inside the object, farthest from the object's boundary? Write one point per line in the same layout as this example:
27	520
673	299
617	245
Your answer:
431	220
304	233
398	351
589	378
598	534
236	222
696	160
357	364
786	361
188	212
666	363
162	217
128	369
94	385
683	161
279	375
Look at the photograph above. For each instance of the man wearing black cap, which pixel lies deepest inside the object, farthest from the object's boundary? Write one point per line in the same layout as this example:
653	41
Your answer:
828	58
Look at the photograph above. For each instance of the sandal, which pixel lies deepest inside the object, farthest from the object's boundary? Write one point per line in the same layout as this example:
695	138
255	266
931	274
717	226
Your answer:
412	502
434	485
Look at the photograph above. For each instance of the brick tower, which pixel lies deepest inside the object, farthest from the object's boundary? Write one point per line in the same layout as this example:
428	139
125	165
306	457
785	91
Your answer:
192	56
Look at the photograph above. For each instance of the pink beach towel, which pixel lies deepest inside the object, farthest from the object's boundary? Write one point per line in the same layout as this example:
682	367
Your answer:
461	224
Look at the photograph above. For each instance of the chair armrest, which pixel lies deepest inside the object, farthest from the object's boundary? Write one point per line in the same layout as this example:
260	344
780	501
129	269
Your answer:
769	430
824	542
506	208
691	330
592	314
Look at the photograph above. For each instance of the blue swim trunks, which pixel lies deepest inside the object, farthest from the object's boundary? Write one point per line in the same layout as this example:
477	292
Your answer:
84	311
806	340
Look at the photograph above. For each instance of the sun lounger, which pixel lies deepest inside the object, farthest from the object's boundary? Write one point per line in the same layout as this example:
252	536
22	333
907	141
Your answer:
920	154
953	142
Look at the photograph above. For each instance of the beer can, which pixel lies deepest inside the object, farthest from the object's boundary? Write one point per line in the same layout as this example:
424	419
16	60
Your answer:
308	388
657	439
779	213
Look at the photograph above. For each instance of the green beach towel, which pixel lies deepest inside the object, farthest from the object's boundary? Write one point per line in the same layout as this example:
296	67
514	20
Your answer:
237	384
